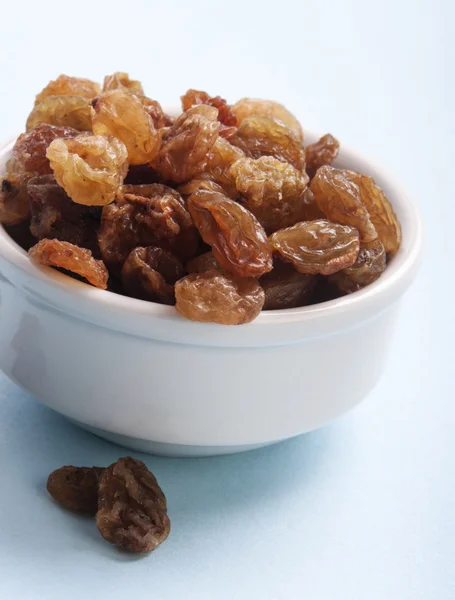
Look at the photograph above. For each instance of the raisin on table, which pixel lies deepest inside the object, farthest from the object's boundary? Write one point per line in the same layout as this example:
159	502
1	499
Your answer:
320	246
69	86
216	297
248	107
76	488
238	240
90	168
132	511
63	255
150	274
121	115
369	266
62	111
339	198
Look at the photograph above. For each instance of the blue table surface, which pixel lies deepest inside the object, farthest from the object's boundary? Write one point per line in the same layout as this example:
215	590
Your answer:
362	509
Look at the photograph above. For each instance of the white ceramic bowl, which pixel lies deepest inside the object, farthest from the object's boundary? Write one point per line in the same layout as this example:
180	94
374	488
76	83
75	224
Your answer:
139	374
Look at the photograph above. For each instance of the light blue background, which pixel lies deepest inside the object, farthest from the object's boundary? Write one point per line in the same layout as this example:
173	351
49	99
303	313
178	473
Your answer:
361	510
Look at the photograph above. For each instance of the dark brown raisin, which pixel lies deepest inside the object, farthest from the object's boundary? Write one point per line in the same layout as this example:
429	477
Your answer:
76	488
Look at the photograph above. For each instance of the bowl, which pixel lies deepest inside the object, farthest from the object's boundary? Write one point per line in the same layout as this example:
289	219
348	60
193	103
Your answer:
139	374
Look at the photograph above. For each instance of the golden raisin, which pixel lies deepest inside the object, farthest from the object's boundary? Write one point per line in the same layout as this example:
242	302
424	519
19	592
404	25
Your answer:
323	152
248	107
63	111
369	266
122	81
69	86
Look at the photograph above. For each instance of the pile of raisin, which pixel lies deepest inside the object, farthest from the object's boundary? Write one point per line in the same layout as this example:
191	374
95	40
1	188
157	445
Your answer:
125	498
223	211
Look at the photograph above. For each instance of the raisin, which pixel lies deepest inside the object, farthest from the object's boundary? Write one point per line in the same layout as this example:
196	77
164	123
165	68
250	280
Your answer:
122	115
238	241
248	107
153	215
369	266
339	198
381	212
69	86
219	162
76	488
225	115
185	145
150	274
14	200
90	168
154	110
317	246
310	209
323	152
218	297
272	190
29	151
122	81
55	215
263	136
203	262
62	111
132	511
284	287
64	255
200	182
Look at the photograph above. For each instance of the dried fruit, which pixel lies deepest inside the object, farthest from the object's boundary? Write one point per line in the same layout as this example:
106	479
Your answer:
381	212
323	152
152	215
339	199
200	182
203	262
132	510
64	255
185	145
122	81
218	297
62	111
317	246
284	287
29	151
264	136
369	266
14	200
90	168
272	190
237	239
248	107
150	274
310	209
122	115
69	86
225	115
76	488
154	110
55	215
219	162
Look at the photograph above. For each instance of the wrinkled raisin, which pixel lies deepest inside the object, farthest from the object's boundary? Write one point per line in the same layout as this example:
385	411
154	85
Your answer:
150	274
185	144
122	81
132	511
14	200
203	262
237	239
323	152
225	115
264	136
90	168
310	209
122	115
219	162
369	265
29	151
249	107
62	111
380	210
69	86
339	199
64	255
272	190
55	215
152	215
76	488
284	287
317	246
200	182
154	110
218	297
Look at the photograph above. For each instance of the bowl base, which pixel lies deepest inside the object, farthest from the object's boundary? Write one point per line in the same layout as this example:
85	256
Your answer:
171	450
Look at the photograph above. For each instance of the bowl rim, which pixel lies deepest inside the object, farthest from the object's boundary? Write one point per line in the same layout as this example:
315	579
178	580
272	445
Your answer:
104	308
